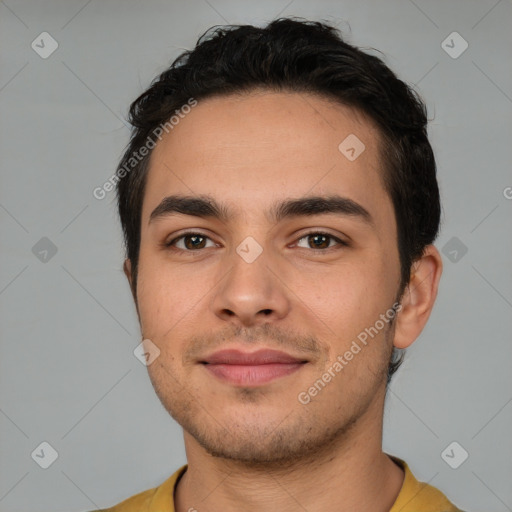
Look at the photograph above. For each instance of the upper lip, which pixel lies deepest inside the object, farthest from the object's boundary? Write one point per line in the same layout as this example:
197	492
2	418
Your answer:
263	356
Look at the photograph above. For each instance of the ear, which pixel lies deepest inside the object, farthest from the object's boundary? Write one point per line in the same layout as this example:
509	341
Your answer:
419	297
127	268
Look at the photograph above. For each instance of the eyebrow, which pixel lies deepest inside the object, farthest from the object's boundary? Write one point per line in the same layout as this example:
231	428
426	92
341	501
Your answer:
205	206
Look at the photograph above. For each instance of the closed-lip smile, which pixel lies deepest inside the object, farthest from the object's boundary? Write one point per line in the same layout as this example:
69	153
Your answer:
251	368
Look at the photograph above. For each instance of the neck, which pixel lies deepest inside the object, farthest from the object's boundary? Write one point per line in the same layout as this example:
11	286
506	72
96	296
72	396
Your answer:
351	473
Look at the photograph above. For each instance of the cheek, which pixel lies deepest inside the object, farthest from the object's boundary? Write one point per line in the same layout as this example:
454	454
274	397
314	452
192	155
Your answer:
347	299
168	295
156	296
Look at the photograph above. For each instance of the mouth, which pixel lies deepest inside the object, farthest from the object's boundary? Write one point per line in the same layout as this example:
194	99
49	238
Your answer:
251	369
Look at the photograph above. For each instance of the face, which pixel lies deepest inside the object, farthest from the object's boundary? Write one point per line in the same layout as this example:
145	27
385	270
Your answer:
260	311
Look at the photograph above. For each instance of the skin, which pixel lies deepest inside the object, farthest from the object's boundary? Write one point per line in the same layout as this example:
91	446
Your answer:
259	448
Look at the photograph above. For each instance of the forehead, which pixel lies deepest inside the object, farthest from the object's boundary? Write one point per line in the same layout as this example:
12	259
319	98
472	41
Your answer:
247	150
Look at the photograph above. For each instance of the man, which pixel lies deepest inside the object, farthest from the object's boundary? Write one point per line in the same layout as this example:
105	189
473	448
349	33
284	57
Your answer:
279	203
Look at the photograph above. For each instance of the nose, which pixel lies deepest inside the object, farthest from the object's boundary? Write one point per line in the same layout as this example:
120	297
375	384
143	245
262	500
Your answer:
252	292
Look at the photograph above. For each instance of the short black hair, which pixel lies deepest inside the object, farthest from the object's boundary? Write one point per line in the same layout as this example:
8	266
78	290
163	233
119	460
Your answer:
295	55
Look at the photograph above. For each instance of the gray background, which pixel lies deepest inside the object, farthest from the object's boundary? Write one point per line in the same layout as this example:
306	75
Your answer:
68	375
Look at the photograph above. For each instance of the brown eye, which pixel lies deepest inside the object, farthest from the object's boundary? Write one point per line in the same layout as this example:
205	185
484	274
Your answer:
189	242
194	241
320	241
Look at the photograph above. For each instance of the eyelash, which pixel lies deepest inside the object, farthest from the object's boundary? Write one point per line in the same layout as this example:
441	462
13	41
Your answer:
171	243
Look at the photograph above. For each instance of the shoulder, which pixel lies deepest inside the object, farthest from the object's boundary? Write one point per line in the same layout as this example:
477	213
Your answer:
159	498
416	496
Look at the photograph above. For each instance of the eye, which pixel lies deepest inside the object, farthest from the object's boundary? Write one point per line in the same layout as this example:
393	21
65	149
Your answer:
193	241
318	240
189	242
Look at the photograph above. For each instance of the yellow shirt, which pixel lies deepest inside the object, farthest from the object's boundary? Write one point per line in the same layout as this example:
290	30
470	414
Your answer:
414	496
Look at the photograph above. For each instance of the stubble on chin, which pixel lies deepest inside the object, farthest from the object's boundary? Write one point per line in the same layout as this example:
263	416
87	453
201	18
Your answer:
301	434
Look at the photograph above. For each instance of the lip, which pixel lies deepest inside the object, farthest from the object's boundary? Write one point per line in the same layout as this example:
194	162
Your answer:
251	368
259	357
